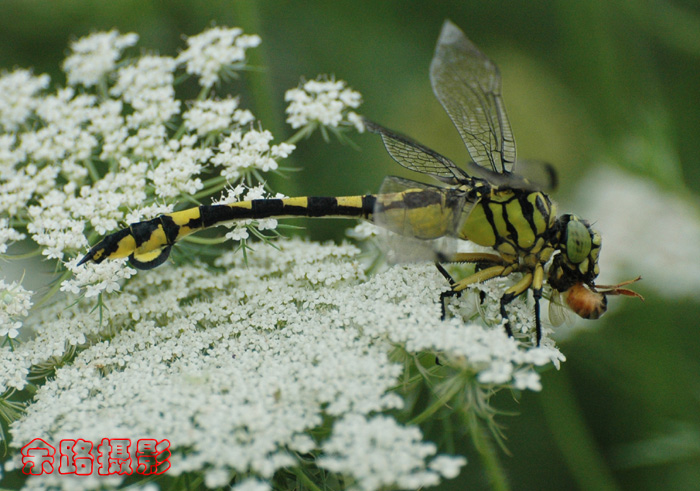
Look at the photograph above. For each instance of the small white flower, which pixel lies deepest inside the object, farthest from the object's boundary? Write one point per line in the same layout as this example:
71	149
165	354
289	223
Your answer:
96	55
54	227
209	116
327	102
147	212
251	485
217	478
148	87
447	466
18	99
8	235
176	172
241	152
282	151
378	453
210	52
363	231
15	303
527	380
96	278
357	121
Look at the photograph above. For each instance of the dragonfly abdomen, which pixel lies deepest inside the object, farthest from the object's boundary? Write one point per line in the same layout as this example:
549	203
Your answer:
305	206
419	213
148	243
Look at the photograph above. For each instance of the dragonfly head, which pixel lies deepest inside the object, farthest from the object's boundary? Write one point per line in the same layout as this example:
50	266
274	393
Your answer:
575	268
579	247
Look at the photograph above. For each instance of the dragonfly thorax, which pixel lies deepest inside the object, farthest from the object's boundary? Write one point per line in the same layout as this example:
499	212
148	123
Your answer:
515	222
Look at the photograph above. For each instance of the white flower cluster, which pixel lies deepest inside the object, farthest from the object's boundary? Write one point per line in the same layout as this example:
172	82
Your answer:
238	368
327	102
8	234
209	116
207	54
15	303
103	277
91	159
95	56
398	455
244	151
18	98
148	87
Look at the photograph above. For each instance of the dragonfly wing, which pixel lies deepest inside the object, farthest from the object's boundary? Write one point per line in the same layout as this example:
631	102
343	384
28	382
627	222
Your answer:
559	313
542	176
468	85
421	220
417	157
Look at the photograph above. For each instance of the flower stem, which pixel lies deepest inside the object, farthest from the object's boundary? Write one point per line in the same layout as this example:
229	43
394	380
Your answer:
487	452
304	479
577	445
267	107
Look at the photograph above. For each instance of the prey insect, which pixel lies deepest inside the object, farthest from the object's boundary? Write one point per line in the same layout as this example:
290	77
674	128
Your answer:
484	201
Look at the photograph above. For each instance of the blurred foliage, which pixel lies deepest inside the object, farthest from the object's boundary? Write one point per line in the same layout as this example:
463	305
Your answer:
609	81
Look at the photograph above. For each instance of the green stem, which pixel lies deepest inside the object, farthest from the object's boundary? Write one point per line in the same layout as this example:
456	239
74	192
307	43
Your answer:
304	479
26	255
211	188
302	133
54	289
487	452
266	103
445	393
577	445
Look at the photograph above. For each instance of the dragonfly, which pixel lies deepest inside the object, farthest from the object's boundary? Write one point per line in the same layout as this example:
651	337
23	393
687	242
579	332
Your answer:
484	201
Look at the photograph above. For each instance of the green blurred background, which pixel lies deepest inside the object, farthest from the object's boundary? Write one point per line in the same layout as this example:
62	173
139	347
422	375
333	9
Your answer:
614	82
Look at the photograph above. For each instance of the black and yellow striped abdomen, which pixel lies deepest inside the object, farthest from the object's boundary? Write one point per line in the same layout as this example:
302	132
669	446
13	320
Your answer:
514	222
422	213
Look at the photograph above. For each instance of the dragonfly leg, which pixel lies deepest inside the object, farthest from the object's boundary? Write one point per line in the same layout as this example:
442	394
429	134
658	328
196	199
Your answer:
456	287
537	280
475	257
511	293
447	293
482	260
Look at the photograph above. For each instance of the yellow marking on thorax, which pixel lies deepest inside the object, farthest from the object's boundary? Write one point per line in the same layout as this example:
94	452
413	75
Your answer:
507	251
526	237
498	220
537	218
477	228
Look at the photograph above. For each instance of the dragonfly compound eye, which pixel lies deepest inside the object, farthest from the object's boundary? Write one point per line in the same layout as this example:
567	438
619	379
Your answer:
578	241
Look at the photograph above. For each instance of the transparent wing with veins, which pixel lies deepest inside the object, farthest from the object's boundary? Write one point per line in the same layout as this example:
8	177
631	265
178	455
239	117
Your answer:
468	85
419	221
416	157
